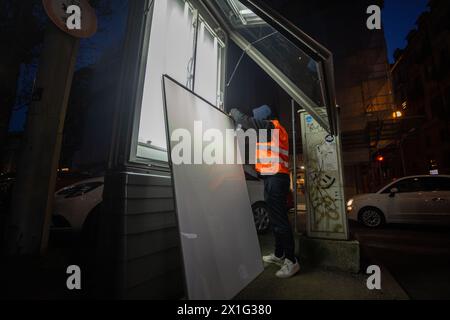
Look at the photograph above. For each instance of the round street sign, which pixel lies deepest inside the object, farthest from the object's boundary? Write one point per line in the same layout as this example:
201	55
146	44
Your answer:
57	12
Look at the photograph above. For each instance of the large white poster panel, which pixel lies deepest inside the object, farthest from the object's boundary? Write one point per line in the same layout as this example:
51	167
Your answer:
221	252
325	201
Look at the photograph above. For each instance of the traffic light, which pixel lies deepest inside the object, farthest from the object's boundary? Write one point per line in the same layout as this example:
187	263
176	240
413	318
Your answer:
380	158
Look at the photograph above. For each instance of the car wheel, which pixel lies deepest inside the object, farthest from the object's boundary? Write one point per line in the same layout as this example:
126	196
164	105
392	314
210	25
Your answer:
261	217
371	217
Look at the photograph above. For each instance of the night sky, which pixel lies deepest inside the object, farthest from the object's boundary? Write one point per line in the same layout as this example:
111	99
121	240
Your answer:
399	18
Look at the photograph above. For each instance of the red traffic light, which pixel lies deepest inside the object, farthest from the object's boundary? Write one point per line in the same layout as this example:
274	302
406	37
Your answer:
380	158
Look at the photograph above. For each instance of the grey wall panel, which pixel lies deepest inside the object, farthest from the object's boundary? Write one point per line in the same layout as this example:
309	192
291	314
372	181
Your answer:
221	253
150	222
140	245
168	286
142	239
149	180
150	192
153	266
140	206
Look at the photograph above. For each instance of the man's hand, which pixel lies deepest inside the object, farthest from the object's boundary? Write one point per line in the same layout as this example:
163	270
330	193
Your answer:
236	114
244	122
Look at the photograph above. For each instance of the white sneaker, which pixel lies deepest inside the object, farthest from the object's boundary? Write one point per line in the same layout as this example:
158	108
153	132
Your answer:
288	270
273	259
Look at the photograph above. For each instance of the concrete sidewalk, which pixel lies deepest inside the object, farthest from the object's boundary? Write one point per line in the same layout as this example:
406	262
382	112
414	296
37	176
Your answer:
45	278
316	284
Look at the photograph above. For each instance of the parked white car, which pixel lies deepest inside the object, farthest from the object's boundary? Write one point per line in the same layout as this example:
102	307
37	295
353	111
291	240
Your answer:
260	210
414	200
73	204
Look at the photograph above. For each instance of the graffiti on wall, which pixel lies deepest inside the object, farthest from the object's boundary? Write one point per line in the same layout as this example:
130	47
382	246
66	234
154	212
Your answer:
324	190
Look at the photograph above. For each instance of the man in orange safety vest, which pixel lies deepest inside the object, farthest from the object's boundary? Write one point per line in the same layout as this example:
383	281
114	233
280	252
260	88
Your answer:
272	164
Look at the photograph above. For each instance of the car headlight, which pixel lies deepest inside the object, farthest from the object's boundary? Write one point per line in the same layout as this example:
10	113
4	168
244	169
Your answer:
350	203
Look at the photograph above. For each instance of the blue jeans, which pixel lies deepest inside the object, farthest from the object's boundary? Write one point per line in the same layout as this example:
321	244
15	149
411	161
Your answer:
276	190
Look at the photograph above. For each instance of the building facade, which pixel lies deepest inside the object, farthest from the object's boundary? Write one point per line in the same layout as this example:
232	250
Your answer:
422	95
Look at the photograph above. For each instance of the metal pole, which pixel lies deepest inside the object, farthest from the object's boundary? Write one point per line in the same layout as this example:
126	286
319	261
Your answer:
32	201
294	162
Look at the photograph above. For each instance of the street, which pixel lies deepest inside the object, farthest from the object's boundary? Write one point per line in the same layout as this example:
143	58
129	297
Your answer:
418	257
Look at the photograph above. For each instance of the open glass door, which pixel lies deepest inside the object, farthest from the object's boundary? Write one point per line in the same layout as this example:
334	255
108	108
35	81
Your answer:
300	65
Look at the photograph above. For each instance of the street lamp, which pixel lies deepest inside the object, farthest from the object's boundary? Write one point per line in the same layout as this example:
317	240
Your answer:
397	114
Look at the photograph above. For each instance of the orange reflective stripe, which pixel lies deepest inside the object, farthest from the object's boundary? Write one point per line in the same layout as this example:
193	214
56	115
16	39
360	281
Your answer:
273	157
273	169
268	147
273	161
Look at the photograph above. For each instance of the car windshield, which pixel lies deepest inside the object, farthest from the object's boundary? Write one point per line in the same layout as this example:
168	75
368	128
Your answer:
417	184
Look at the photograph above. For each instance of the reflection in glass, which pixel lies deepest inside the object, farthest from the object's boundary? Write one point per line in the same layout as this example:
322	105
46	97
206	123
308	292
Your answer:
185	48
170	52
296	65
207	72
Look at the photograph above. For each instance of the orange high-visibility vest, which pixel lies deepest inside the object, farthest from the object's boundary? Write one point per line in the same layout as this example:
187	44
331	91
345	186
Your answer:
273	157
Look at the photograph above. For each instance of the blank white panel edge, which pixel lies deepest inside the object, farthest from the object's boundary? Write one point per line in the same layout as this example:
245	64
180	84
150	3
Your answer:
221	252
